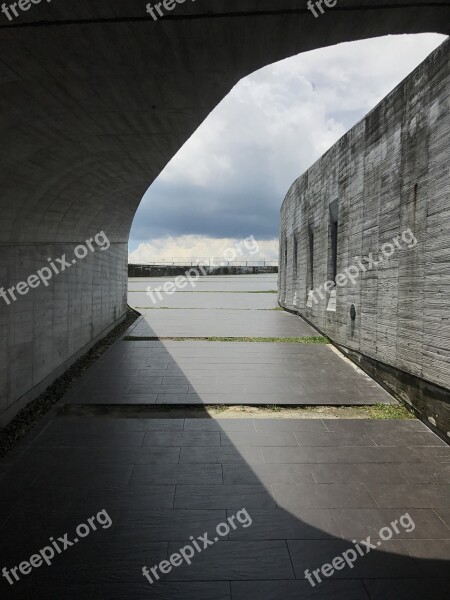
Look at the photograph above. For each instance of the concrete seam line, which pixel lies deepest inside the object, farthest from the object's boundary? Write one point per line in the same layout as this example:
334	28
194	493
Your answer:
230	15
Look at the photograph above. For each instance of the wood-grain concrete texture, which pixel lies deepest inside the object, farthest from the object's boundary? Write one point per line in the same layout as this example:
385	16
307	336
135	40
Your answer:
95	99
390	175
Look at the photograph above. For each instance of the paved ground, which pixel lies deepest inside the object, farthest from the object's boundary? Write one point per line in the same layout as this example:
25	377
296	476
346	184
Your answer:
225	373
203	372
245	285
227	309
108	496
309	487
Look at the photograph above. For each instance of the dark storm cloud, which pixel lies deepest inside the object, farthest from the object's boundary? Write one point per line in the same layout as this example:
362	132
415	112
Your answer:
177	209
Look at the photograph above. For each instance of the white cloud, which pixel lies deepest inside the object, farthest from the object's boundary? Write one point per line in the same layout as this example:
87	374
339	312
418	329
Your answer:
229	180
191	248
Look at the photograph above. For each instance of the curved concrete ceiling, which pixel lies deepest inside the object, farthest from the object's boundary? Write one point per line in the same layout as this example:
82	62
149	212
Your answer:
97	97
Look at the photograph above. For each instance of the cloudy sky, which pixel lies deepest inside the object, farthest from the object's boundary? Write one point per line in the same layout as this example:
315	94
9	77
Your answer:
228	181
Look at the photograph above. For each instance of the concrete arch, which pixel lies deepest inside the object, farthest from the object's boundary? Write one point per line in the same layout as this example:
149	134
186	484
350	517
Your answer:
94	102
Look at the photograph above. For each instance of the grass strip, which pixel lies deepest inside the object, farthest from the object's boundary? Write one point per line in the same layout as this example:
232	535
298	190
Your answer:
388	411
197	308
164	411
273	340
211	291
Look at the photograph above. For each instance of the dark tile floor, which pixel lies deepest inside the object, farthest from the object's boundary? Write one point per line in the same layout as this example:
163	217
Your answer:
172	372
162	481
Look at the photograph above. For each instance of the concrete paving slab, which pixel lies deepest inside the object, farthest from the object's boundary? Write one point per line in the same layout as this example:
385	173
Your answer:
214	372
296	520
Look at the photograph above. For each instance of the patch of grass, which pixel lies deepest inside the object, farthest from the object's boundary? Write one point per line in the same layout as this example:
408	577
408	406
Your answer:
273	340
389	411
219	408
197	308
156	308
273	411
213	292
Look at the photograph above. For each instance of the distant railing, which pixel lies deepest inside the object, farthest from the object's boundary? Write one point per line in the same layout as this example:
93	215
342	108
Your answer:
206	262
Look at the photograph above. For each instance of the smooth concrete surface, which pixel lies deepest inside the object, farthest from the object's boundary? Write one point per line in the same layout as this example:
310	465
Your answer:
241	293
96	98
48	327
39	388
148	293
207	283
212	283
210	301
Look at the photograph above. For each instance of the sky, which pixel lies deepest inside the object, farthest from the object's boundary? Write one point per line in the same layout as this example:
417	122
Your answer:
228	181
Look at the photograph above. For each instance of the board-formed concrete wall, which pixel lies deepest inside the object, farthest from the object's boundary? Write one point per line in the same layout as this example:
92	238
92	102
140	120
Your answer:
387	177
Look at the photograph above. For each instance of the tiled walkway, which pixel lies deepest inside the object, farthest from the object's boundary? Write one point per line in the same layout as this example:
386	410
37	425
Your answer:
300	492
205	372
309	487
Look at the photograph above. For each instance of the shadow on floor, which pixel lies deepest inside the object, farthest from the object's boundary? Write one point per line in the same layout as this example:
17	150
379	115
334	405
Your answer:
310	487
